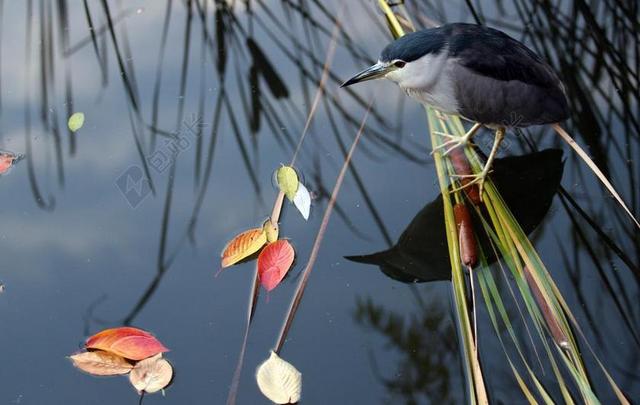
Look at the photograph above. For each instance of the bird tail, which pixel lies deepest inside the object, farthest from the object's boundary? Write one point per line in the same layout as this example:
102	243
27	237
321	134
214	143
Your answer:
567	138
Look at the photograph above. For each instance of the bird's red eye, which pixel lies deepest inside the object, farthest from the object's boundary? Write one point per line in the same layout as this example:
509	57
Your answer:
399	63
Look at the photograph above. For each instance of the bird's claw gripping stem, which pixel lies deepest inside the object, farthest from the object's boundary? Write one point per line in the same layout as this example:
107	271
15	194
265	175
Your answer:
478	179
455	141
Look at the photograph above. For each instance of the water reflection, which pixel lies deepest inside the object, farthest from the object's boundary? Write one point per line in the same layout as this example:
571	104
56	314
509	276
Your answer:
427	340
424	369
527	183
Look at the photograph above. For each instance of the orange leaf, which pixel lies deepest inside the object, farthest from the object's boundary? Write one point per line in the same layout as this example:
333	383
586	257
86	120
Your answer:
101	363
243	245
130	343
274	263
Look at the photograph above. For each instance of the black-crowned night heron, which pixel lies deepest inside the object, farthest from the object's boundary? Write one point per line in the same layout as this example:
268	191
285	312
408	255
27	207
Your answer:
476	72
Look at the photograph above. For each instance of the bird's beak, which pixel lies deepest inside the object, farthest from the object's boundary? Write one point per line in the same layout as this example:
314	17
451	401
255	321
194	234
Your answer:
373	72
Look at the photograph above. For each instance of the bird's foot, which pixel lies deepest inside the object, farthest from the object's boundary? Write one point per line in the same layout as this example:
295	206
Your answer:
453	142
477	179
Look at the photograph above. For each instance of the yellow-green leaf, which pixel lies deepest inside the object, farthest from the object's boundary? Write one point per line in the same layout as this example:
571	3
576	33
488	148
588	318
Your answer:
287	181
271	230
76	121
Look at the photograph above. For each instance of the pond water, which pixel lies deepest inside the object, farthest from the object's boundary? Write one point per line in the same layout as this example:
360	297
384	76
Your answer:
120	224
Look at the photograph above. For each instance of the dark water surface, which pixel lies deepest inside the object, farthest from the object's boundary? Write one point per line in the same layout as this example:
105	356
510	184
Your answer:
84	248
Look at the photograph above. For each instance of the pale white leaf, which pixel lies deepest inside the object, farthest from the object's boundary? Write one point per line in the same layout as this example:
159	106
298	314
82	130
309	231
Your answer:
279	381
302	201
151	375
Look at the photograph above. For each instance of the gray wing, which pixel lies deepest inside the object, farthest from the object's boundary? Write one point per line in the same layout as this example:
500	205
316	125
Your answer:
500	81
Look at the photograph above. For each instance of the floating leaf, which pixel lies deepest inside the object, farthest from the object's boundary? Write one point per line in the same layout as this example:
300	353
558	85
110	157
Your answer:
76	121
302	201
7	160
287	181
243	245
100	362
271	230
130	343
279	381
151	375
274	263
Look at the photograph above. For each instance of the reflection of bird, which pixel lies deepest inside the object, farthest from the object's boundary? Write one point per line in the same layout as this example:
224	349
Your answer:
421	251
476	72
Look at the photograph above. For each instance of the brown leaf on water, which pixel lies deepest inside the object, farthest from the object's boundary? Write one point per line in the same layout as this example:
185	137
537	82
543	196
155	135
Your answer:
243	245
99	362
151	375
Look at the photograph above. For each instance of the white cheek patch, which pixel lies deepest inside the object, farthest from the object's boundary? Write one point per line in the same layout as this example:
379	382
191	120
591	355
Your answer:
423	73
394	75
428	80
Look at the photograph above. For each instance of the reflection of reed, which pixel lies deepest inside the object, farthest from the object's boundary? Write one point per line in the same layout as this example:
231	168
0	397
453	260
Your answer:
423	374
33	182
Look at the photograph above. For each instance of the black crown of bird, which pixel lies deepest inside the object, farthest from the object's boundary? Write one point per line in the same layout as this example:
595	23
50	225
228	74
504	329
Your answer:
484	76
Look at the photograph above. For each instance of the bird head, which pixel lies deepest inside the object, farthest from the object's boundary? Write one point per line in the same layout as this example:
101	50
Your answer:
405	59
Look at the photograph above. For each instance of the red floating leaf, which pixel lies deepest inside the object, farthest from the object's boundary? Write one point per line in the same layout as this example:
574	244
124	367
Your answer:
243	245
130	343
7	159
274	263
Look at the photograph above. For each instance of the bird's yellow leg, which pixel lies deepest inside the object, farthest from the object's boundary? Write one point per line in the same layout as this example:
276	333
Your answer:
455	141
480	178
